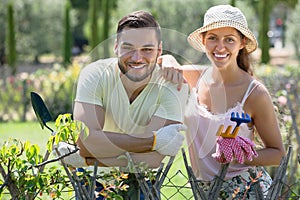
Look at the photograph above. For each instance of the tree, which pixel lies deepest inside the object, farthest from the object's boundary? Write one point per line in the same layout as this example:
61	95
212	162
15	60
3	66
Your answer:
67	36
106	8
80	11
232	2
10	39
38	27
264	9
2	33
94	37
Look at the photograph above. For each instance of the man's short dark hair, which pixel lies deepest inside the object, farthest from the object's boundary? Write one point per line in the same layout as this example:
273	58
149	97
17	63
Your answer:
139	19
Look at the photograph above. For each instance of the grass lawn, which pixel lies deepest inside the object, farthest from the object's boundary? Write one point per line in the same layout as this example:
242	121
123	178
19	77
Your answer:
31	131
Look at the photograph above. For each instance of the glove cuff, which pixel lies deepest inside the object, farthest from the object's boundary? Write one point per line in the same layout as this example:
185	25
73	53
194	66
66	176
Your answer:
154	141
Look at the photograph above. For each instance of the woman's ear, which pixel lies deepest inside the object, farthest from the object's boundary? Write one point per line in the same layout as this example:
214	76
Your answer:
243	43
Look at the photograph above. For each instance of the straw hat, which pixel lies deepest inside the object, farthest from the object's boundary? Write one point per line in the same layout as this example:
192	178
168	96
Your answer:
223	16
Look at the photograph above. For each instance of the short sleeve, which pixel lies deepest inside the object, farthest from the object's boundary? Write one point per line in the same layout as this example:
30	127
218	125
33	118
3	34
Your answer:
89	87
172	102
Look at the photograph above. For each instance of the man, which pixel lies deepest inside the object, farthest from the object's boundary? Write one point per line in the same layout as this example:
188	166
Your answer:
126	103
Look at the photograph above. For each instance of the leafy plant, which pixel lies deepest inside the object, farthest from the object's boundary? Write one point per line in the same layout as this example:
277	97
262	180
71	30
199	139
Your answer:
25	176
21	174
67	131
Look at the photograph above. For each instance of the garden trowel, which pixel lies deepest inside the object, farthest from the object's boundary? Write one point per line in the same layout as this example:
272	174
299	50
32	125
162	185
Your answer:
41	111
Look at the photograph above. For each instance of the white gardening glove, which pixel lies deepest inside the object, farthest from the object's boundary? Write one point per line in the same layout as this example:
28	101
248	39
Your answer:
168	139
74	160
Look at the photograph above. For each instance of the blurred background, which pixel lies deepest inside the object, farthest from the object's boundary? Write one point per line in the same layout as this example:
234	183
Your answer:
45	43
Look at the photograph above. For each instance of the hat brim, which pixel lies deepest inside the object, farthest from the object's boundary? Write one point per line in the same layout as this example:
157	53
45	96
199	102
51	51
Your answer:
195	38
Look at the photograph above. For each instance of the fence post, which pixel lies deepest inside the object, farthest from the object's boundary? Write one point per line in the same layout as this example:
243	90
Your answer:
197	191
217	183
277	184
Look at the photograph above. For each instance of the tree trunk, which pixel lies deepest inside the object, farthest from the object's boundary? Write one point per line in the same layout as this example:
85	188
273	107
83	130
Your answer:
93	9
10	40
232	2
106	10
68	36
11	186
265	8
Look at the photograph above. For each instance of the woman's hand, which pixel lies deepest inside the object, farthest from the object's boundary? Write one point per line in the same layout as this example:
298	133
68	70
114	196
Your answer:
171	70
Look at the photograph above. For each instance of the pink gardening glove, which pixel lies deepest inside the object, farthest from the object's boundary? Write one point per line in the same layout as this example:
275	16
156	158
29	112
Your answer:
224	153
247	147
229	148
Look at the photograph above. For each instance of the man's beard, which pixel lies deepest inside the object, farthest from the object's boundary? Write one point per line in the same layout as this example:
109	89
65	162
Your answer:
137	78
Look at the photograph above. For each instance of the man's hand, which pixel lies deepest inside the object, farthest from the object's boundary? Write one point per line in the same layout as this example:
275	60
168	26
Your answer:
74	159
168	139
171	70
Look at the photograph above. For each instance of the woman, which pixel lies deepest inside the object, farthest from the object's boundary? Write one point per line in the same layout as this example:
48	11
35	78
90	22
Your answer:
225	87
